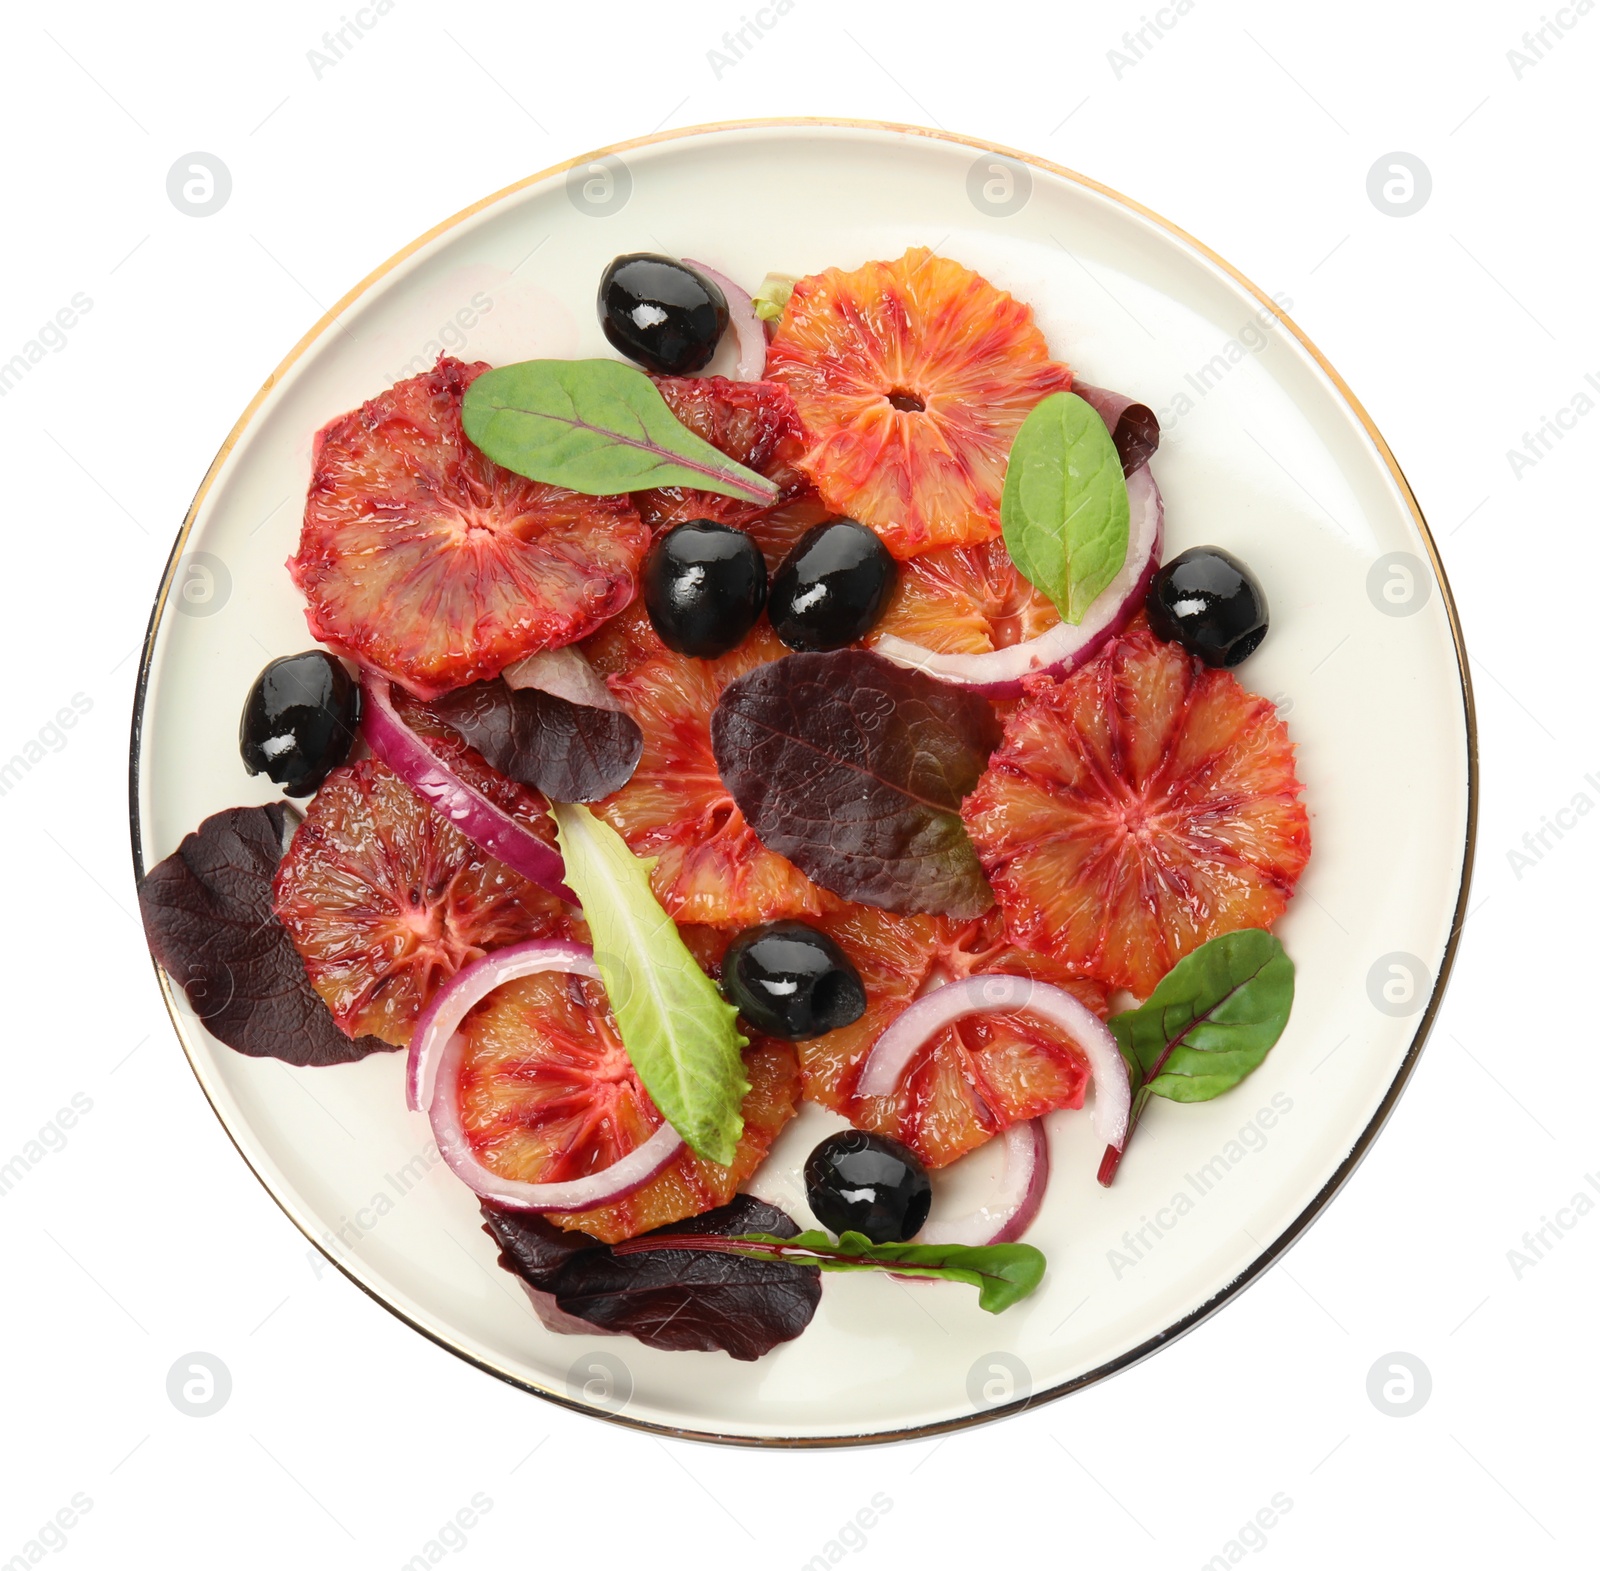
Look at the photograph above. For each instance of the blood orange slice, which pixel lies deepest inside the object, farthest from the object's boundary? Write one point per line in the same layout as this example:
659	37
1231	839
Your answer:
710	866
548	1094
752	422
911	378
965	600
421	557
1138	809
385	900
975	1078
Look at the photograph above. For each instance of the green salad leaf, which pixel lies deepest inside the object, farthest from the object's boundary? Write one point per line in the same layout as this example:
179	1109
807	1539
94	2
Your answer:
1211	1021
1064	506
676	1026
773	295
1002	1273
599	427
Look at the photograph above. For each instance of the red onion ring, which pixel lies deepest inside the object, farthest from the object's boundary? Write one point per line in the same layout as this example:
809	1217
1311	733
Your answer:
470	985
434	1072
1000	993
748	330
1004	1219
564	672
1059	652
394	743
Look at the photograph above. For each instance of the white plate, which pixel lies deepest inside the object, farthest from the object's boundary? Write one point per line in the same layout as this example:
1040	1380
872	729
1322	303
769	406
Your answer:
1263	450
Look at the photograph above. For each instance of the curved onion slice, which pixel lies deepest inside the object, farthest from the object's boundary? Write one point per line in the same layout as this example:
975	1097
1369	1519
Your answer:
434	1073
1059	652
748	332
564	672
471	985
1004	1219
394	743
998	993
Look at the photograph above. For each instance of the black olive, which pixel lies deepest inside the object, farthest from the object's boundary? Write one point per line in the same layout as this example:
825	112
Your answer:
1208	601
300	720
661	313
704	586
868	1184
832	587
790	981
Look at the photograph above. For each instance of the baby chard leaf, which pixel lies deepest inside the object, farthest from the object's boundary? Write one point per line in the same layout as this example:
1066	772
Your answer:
599	427
208	915
1003	1274
676	1026
1210	1022
571	752
854	769
1064	506
666	1295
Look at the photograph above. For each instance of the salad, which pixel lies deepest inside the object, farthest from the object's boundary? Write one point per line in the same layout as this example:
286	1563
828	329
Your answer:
678	748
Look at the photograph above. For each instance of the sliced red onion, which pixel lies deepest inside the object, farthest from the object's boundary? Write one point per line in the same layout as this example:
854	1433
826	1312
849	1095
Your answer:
394	743
999	993
1005	1218
748	331
434	1080
1065	647
1133	426
472	984
564	672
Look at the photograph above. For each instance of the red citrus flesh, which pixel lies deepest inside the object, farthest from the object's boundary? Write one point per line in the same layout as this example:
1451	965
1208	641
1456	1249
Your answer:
385	900
965	600
911	378
973	1079
710	866
1136	810
548	1094
422	558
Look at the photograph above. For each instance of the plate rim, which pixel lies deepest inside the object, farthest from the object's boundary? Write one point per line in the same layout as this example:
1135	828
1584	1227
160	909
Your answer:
1402	1077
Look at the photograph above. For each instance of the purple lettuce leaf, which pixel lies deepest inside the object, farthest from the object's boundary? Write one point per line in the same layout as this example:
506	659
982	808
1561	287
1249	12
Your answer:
571	752
208	917
678	1299
854	769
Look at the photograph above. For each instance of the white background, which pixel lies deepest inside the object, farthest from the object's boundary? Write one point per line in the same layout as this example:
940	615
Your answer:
349	1440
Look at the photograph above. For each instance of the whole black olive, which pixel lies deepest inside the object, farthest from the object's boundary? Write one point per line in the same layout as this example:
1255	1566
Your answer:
661	313
300	721
790	981
704	586
1208	601
868	1184
832	587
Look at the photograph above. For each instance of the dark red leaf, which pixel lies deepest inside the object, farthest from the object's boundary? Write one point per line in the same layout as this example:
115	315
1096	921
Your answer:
679	1299
1133	426
208	918
854	769
571	752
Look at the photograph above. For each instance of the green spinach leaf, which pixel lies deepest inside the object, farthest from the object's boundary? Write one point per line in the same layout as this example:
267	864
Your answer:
1211	1020
1064	506
599	427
